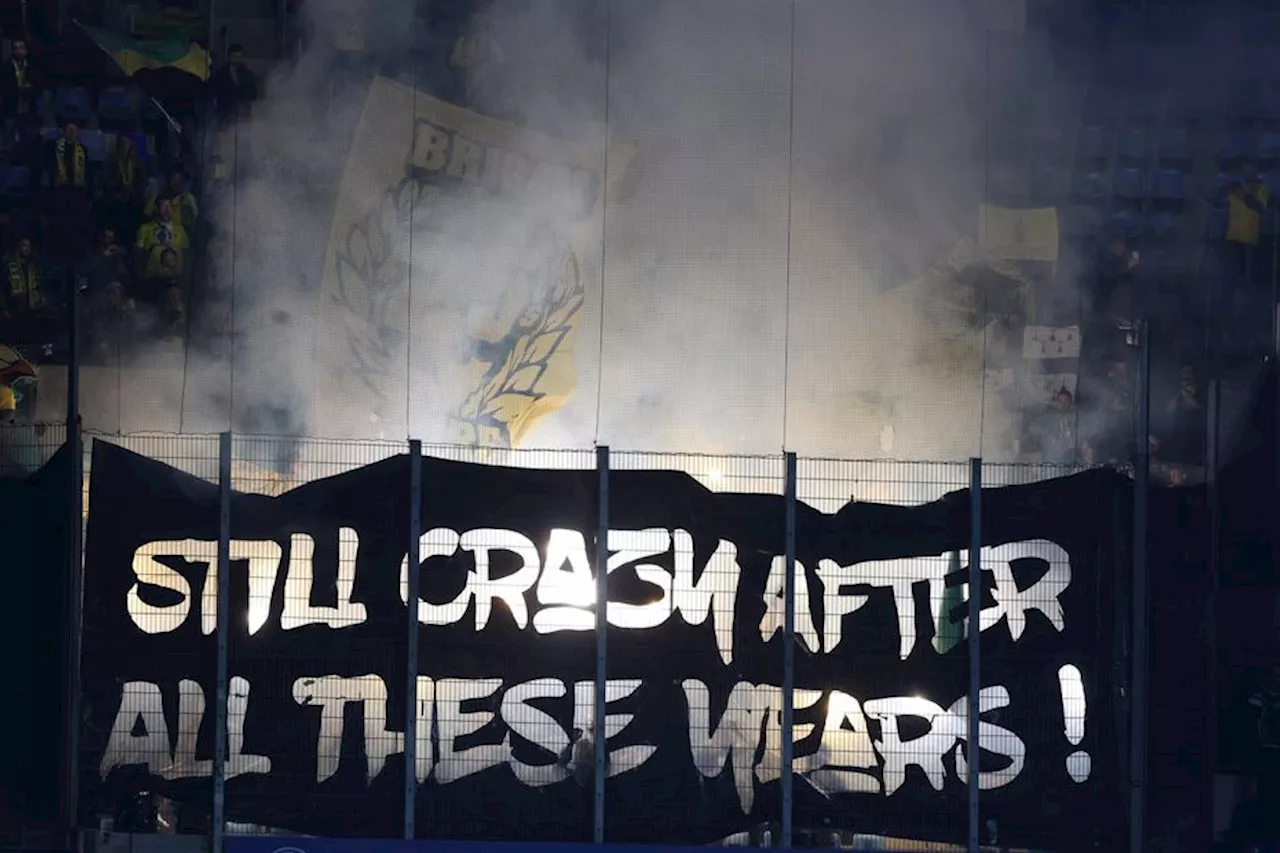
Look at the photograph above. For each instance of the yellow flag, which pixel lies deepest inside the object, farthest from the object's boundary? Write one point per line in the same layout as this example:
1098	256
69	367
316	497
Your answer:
424	175
1019	234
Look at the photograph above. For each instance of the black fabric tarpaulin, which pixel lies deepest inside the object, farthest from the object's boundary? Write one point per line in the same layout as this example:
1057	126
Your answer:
696	658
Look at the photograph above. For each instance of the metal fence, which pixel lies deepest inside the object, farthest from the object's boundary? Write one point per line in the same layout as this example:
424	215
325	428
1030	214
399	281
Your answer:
272	466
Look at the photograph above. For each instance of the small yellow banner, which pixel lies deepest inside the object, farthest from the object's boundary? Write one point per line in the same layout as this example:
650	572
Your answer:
1019	234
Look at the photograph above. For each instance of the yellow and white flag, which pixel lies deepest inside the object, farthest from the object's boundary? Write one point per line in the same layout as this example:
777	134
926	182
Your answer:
434	193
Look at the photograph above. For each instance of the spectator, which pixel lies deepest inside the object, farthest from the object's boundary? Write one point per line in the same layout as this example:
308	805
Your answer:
1054	429
182	200
477	59
235	86
68	197
122	188
1246	202
1186	423
107	263
113	321
1113	290
159	234
24	300
162	286
1111	438
18	92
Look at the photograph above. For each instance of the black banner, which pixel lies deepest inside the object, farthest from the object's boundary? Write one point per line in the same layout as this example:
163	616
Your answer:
36	512
507	655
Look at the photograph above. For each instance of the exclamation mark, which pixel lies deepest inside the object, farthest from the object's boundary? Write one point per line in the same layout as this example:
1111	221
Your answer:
1079	763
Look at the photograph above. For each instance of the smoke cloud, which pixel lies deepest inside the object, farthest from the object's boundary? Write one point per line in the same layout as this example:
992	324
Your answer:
786	256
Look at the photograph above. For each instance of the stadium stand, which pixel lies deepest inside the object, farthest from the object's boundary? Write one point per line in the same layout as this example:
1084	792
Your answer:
87	170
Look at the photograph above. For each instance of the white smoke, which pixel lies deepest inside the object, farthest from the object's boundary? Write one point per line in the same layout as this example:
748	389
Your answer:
768	202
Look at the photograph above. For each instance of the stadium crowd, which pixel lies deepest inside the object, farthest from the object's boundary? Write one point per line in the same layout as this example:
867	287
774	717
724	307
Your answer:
101	193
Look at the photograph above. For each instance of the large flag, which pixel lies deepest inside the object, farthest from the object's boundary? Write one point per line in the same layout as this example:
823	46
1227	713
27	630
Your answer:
491	221
132	55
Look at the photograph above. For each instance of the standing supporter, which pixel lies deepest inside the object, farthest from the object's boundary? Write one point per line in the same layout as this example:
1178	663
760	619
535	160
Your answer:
157	235
106	263
123	180
112	322
68	195
162	286
235	86
1246	202
1054	429
24	300
18	92
182	200
1110	439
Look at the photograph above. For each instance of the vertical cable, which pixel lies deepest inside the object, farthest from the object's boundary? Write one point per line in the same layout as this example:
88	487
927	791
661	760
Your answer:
231	332
983	225
791	148
413	200
604	210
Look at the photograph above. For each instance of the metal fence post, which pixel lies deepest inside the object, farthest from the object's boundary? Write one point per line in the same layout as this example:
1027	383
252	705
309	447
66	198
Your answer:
1140	648
1212	498
75	617
413	562
789	654
974	625
602	625
218	830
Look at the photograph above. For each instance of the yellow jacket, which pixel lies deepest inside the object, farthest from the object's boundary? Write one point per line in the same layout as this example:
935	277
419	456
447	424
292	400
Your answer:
154	237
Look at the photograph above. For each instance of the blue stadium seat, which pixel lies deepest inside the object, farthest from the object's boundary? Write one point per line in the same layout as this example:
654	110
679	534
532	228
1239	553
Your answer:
117	106
1216	223
1162	225
1245	102
1175	144
140	145
95	145
1235	147
1129	183
1093	142
1272	180
1269	146
1133	143
1126	222
17	182
1222	182
1082	222
1167	185
1129	23
1092	185
72	103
